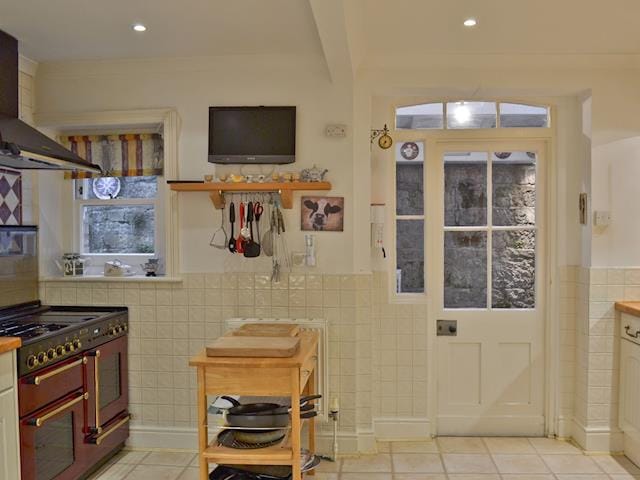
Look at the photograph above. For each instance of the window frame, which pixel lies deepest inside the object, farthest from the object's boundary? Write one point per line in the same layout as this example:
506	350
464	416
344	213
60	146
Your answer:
431	138
165	120
97	260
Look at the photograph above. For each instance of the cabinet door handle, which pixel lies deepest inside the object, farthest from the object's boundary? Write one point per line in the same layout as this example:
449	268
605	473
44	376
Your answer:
96	383
98	440
39	421
38	379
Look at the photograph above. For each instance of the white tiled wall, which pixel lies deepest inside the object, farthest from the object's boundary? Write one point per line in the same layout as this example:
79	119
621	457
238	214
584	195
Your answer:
172	321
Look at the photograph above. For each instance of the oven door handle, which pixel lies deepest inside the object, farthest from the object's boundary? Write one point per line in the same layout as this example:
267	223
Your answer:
39	421
98	440
38	379
96	395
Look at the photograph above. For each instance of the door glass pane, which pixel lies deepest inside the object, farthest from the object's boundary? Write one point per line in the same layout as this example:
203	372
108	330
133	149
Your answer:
409	178
465	189
54	447
109	379
426	116
471	115
514	269
465	270
410	256
514	188
527	116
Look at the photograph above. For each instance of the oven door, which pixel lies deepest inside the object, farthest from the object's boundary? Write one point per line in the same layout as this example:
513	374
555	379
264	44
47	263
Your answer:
107	380
52	440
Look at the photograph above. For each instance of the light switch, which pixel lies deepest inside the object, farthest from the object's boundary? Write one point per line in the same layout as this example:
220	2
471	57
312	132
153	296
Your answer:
336	130
601	218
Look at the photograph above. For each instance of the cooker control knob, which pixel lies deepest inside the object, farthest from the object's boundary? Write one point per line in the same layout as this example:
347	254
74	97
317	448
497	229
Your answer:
125	328
68	347
77	344
112	331
51	354
118	328
42	357
32	361
60	350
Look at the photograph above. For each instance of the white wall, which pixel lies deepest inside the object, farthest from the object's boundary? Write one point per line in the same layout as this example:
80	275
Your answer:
191	86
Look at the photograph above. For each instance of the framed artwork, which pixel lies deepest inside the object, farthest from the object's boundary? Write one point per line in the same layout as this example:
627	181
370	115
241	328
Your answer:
322	214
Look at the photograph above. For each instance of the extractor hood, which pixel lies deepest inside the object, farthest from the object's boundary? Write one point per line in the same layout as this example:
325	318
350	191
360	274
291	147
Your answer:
22	147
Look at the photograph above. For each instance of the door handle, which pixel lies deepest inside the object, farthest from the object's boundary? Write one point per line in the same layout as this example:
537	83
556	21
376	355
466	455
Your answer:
96	395
98	440
447	328
38	379
39	421
632	335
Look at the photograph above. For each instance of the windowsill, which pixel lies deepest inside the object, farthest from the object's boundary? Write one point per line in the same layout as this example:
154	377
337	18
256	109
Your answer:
102	278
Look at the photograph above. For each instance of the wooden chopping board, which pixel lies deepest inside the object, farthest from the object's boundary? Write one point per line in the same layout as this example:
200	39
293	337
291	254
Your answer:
240	346
267	330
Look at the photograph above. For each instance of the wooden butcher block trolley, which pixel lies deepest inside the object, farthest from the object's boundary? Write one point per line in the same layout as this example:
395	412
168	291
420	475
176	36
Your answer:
258	376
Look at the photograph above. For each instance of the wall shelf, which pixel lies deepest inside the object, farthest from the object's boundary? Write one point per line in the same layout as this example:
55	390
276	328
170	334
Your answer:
217	190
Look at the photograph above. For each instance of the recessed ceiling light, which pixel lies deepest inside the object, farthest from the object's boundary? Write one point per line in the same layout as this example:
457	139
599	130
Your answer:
138	27
470	22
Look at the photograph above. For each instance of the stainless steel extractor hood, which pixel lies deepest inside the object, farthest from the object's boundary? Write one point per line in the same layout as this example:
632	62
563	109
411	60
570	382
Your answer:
22	147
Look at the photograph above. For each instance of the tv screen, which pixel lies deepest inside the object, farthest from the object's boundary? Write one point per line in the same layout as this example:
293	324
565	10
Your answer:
252	135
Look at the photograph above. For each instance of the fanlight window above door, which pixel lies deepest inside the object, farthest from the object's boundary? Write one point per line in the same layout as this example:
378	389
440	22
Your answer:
471	115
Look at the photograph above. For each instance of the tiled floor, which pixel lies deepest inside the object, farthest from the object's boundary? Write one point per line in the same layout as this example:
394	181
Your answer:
452	458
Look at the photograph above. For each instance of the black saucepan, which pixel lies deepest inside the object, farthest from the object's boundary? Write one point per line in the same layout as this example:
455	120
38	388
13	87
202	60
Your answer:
280	420
263	408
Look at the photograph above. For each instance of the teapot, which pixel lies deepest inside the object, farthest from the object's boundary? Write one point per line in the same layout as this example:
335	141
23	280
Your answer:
314	174
151	268
116	268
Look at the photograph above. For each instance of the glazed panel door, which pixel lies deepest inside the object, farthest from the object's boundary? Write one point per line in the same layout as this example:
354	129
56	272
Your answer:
487	276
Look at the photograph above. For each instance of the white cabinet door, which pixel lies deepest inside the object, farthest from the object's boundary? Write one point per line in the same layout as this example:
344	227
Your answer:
9	449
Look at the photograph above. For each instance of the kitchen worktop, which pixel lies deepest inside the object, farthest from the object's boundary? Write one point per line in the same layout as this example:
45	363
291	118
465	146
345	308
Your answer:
8	344
632	308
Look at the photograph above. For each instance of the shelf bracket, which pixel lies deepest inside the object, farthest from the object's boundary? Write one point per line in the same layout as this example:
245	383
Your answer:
286	198
217	198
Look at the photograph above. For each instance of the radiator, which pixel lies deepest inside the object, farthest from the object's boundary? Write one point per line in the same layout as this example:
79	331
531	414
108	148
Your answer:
322	371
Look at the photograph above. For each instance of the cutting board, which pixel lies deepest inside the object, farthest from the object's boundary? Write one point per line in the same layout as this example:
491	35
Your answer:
240	346
267	330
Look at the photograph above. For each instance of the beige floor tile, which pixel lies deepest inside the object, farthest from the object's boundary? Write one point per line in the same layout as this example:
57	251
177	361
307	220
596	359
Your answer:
364	476
552	446
173	459
384	447
414	447
520	464
461	445
585	476
474	476
324	476
113	471
571	464
190	474
624	477
616	464
512	445
131	456
417	463
527	476
380	463
155	472
419	476
468	463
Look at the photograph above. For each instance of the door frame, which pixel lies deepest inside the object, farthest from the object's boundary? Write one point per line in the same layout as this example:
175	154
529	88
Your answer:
550	281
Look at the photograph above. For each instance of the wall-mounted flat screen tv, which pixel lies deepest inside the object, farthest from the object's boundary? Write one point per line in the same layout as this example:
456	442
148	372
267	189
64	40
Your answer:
252	135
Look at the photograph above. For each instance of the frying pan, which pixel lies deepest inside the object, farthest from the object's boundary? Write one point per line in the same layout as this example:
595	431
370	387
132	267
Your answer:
279	420
263	408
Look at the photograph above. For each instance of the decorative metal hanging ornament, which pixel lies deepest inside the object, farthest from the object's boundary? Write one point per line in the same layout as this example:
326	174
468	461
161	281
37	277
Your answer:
384	139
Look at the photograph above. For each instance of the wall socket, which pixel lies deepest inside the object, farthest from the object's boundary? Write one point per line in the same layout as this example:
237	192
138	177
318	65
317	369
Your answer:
336	130
601	218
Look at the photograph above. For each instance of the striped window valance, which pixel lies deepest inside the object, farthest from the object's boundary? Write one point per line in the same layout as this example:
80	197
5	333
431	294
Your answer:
122	155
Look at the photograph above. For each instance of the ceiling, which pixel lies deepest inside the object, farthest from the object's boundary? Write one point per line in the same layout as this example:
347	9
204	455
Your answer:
80	29
504	26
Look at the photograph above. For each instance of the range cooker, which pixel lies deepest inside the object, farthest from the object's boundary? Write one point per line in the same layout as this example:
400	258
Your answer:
72	370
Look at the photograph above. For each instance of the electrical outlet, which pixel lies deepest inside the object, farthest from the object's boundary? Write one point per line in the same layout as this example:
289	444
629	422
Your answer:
336	130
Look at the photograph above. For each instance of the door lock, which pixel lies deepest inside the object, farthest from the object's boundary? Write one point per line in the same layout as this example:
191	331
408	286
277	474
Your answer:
447	328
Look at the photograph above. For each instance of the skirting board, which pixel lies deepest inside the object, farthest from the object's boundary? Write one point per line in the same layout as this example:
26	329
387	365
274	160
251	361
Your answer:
408	428
597	439
176	438
564	427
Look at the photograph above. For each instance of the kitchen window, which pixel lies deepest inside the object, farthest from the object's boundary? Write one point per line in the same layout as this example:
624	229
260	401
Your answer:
119	215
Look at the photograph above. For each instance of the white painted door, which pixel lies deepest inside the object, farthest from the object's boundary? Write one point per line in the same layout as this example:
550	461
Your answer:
488	251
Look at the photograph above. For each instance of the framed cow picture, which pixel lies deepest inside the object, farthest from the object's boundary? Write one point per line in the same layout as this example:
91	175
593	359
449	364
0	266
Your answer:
322	214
